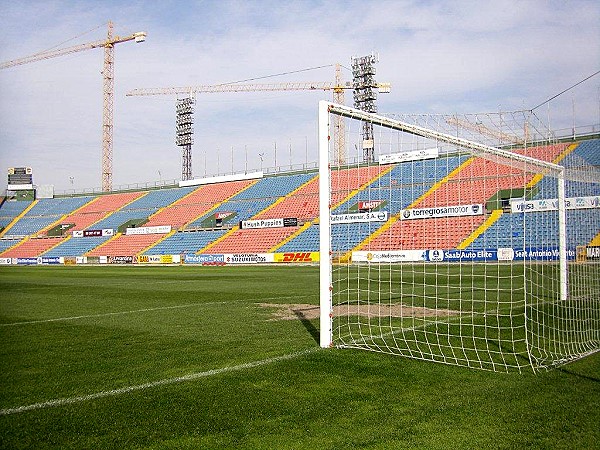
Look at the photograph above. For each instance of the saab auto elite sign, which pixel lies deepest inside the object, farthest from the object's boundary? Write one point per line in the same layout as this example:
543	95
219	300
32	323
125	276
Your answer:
442	211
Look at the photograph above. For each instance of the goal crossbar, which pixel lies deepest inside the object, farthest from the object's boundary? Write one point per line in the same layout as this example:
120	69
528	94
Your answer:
485	151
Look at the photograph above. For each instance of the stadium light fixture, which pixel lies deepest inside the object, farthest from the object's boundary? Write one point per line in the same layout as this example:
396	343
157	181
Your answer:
185	134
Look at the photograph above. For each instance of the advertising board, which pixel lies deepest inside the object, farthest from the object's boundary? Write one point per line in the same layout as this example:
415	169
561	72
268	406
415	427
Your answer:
442	211
296	257
378	216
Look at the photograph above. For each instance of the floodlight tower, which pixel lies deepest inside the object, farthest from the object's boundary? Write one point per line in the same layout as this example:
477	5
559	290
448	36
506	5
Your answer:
365	96
184	134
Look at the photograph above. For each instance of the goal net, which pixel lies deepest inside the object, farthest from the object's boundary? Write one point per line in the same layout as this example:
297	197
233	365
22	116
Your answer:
471	240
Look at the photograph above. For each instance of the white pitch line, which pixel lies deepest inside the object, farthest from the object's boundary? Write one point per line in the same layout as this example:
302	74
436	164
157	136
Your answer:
119	313
153	384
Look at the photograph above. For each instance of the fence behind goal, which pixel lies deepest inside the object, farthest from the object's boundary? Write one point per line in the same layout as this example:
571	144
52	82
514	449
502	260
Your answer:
460	241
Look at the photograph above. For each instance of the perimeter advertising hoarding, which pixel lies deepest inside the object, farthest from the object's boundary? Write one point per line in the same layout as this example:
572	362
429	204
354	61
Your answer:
296	257
50	260
520	205
392	256
592	253
248	258
500	254
455	255
368	205
120	259
160	229
203	259
25	261
33	261
269	223
442	211
378	216
93	233
415	155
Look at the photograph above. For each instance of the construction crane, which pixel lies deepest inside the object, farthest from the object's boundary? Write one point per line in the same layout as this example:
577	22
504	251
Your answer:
108	87
338	87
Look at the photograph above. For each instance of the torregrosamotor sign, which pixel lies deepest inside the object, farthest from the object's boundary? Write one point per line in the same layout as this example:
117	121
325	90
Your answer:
442	211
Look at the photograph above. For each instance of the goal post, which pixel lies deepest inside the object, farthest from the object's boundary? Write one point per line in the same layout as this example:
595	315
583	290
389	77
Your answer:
325	287
458	243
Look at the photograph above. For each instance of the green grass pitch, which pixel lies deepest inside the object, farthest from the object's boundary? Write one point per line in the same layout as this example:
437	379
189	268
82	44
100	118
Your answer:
187	357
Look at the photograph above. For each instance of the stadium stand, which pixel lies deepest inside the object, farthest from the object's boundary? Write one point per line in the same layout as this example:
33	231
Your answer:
5	244
307	241
192	212
124	245
240	210
142	207
263	239
99	208
185	242
73	246
196	203
433	233
528	228
396	193
587	153
274	187
44	213
31	247
11	210
251	240
304	204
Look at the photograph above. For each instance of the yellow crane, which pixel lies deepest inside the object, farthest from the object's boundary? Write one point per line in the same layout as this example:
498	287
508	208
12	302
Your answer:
338	87
108	87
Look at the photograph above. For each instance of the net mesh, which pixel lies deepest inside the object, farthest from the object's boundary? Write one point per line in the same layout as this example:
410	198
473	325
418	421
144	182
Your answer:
447	247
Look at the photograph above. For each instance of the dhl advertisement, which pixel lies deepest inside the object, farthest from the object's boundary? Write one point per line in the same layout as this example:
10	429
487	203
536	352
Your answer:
297	257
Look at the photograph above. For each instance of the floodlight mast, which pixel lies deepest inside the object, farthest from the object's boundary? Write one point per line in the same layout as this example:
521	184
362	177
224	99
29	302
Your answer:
184	134
365	98
108	87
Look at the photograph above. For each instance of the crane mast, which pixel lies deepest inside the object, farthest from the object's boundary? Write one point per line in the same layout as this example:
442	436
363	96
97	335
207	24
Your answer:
108	87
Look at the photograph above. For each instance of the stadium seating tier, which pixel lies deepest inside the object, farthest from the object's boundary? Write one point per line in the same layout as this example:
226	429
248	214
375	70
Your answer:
444	181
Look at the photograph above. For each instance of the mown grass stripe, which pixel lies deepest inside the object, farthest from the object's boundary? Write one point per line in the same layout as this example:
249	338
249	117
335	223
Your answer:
153	384
133	311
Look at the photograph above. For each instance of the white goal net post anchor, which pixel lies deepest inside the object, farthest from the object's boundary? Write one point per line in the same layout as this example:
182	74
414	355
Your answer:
326	109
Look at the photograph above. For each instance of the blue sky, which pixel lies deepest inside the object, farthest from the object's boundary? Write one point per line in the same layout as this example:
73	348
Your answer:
439	56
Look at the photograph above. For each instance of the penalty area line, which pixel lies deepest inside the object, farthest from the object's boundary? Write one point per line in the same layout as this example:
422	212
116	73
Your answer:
153	384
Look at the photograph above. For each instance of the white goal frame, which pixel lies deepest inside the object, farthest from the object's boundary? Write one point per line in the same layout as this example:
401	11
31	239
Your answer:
327	110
